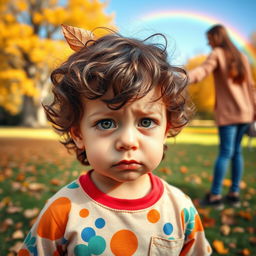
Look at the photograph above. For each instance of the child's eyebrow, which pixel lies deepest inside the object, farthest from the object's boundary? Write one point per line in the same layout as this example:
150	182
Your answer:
117	112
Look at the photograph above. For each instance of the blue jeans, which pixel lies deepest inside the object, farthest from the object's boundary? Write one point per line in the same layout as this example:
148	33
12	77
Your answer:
230	137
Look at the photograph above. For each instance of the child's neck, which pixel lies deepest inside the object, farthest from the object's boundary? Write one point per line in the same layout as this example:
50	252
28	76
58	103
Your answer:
126	190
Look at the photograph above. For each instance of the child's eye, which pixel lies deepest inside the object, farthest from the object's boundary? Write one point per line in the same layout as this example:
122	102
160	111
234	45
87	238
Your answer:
147	123
105	124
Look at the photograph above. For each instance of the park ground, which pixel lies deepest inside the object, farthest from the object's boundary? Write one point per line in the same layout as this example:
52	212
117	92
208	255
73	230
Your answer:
34	165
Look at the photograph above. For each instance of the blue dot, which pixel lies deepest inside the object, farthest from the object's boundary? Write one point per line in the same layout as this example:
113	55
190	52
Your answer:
73	185
168	228
97	245
87	234
82	250
100	223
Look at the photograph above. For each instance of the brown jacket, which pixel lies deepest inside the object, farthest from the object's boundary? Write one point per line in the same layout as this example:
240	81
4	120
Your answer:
234	103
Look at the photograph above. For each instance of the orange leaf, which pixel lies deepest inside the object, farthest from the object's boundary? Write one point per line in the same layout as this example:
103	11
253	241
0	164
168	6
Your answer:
183	169
245	215
226	182
165	170
245	252
219	247
55	182
76	37
208	222
225	230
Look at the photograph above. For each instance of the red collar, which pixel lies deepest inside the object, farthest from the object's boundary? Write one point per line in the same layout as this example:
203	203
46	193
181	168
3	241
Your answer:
123	204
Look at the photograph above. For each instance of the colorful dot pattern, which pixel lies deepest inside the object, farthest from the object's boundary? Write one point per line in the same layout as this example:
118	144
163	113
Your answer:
95	239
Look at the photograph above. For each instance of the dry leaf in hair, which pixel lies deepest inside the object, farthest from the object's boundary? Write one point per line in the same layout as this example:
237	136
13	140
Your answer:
76	37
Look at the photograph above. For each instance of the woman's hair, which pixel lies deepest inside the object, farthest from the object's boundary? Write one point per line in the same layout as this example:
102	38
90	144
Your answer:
220	38
130	67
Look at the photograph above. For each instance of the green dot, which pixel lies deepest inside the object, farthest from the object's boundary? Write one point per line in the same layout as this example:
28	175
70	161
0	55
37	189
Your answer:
82	250
186	215
97	245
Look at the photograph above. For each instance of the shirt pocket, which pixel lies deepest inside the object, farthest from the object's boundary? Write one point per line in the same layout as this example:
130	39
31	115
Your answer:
164	247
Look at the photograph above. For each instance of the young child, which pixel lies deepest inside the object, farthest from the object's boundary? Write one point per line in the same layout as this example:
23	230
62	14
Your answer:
116	100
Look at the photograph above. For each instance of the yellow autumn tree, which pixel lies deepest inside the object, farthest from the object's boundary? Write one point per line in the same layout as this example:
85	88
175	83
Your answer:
31	46
202	93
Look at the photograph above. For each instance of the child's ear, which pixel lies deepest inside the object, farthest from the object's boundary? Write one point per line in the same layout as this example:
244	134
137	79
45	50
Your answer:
77	137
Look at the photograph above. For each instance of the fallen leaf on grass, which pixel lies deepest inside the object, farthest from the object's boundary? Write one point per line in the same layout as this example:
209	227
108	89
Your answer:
243	185
55	182
18	234
183	169
245	215
13	209
2	177
6	224
251	230
219	247
195	179
208	222
204	212
16	247
5	201
165	170
225	230
238	230
245	252
227	217
31	213
232	245
226	183
20	177
252	240
35	187
228	211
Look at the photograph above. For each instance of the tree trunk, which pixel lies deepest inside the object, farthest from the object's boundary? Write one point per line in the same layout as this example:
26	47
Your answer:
29	112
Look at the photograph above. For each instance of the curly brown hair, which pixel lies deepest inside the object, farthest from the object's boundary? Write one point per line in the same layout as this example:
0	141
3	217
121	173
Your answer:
130	67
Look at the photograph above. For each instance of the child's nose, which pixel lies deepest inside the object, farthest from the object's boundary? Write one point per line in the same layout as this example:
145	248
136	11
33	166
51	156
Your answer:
127	139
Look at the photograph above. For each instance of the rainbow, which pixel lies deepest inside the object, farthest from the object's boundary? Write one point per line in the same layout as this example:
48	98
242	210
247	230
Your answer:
239	39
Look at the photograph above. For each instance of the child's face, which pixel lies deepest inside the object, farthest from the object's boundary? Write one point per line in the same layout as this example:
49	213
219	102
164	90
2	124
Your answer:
124	144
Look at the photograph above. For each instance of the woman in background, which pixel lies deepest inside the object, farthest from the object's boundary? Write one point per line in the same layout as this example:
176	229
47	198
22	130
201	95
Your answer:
235	108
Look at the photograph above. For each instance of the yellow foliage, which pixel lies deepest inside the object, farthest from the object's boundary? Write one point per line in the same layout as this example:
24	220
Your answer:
202	93
37	18
21	5
27	56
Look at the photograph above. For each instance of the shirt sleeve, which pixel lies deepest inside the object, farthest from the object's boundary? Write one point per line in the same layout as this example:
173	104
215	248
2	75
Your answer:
195	240
47	234
251	83
199	73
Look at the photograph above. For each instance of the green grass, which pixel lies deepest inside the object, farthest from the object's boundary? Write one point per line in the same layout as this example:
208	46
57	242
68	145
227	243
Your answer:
189	160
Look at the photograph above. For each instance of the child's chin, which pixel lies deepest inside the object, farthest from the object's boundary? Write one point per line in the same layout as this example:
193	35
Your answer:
131	175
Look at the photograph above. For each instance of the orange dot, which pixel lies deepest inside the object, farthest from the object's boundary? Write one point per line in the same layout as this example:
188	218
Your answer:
53	222
153	216
84	213
124	243
23	252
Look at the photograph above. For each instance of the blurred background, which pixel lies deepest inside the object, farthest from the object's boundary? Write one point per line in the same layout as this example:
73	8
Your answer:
32	44
34	165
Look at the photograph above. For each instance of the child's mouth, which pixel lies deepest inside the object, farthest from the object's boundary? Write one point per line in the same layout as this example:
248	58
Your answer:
128	164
